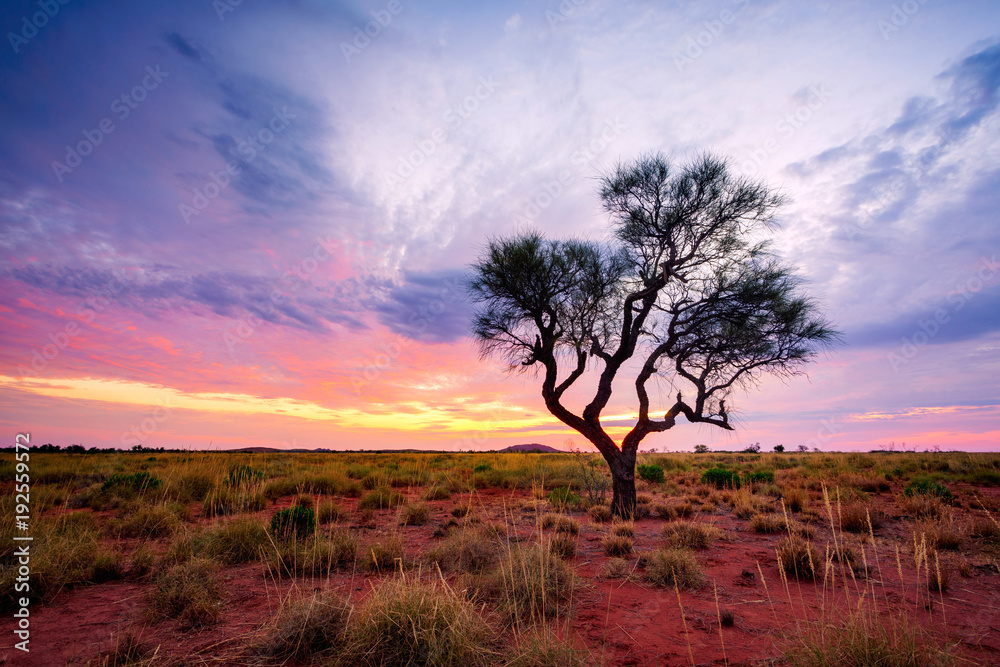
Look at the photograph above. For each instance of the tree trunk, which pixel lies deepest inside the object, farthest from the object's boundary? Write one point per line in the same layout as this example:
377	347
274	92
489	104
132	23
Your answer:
623	486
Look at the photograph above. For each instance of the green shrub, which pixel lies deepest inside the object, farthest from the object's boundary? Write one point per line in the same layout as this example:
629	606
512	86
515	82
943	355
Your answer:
482	467
563	496
926	488
651	473
759	477
720	478
298	521
241	540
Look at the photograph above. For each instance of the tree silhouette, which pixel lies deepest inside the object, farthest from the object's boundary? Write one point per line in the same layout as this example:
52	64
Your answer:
688	288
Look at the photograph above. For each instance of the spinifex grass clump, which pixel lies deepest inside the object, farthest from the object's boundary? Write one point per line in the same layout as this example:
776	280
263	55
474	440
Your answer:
310	627
867	637
241	540
413	622
721	478
189	592
666	567
533	583
295	521
242	474
135	482
798	558
690	534
381	498
651	473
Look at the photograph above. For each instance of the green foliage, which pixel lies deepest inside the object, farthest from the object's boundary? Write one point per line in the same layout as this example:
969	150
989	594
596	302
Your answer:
759	477
482	467
563	496
651	473
136	481
298	521
243	474
701	449
926	488
721	478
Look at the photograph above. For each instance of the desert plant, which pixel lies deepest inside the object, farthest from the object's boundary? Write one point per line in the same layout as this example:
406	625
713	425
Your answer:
414	515
798	558
926	488
471	550
413	622
381	498
296	521
651	473
149	521
242	474
562	497
533	583
690	535
329	512
542	647
666	567
189	592
306	628
384	555
865	637
128	651
617	545
437	492
759	477
240	540
855	517
133	482
721	478
563	545
600	513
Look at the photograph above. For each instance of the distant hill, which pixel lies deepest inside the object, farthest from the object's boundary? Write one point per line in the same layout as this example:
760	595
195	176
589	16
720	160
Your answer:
533	447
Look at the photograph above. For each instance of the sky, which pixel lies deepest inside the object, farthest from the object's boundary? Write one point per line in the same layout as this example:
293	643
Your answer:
246	223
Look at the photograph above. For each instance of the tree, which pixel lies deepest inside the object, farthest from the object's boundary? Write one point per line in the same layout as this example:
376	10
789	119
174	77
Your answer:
688	287
779	448
701	449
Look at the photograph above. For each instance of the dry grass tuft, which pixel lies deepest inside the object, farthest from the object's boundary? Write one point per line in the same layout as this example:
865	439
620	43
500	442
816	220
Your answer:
306	628
798	557
690	535
600	513
617	545
665	567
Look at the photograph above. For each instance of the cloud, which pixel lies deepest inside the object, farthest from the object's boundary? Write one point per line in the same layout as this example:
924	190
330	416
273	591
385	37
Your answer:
427	306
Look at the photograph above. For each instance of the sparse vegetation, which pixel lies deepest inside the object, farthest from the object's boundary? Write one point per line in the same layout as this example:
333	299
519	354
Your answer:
665	567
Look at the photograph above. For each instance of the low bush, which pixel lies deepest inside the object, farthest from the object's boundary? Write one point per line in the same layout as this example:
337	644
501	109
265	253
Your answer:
721	478
927	488
600	513
651	473
759	477
617	545
562	497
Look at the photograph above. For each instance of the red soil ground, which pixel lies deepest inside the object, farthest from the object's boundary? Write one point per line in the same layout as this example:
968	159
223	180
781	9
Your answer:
622	622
